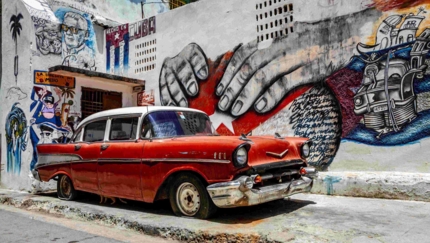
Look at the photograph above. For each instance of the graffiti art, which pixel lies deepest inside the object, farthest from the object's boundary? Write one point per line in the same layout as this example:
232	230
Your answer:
52	121
15	28
16	138
77	39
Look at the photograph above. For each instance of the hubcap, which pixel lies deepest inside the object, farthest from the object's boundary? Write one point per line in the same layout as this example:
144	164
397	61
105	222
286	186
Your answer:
188	199
65	187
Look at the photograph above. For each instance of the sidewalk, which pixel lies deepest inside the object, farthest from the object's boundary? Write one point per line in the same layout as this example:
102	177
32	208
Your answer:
388	185
250	224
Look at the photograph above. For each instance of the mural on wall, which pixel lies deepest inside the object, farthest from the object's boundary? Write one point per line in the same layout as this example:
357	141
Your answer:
117	49
15	28
16	138
53	120
48	36
46	26
377	98
248	86
77	35
391	96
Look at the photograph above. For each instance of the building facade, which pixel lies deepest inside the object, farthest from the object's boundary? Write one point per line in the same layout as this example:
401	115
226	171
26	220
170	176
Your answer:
351	75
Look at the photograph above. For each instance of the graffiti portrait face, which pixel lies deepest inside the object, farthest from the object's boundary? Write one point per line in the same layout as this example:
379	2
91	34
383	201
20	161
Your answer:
75	30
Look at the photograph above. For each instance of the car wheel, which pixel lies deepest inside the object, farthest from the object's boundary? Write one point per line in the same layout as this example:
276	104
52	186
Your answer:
65	189
188	197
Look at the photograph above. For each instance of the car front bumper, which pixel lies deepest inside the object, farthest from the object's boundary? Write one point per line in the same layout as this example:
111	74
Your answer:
233	194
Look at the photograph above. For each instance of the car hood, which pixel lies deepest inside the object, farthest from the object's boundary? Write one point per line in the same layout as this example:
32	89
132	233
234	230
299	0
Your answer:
262	149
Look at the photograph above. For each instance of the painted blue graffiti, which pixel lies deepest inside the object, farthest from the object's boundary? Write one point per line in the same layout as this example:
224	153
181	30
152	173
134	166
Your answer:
16	138
329	181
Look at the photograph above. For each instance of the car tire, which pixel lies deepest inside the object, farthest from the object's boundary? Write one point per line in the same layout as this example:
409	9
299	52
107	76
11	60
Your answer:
65	189
189	198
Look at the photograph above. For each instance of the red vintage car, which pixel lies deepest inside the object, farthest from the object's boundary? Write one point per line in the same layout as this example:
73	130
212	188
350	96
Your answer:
153	153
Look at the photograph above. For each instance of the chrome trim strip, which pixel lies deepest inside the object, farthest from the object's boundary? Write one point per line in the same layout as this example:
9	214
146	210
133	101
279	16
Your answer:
60	154
220	161
64	162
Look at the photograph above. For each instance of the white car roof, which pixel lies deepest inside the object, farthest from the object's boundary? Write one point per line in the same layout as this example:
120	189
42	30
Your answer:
134	110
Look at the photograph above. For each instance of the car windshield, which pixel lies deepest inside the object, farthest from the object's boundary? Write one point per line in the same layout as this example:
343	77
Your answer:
162	124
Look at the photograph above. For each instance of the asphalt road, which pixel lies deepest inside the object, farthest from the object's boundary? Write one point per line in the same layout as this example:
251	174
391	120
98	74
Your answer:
17	225
303	218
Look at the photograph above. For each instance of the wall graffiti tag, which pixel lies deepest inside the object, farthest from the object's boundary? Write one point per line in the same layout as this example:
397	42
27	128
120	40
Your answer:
142	28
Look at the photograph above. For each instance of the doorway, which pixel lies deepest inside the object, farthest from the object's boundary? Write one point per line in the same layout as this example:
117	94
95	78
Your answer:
95	100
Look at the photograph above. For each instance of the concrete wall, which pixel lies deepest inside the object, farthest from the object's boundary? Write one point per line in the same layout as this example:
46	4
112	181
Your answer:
313	68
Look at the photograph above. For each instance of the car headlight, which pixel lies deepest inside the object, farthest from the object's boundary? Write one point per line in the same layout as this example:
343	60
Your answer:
306	149
240	156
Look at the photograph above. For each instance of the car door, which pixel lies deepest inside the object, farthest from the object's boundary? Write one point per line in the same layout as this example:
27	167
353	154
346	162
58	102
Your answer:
87	146
119	164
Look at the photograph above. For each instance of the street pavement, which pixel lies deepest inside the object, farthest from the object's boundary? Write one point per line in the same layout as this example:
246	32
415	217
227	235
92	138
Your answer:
20	225
302	218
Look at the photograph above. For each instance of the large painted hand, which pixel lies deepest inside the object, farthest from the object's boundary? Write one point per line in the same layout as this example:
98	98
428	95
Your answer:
258	77
180	75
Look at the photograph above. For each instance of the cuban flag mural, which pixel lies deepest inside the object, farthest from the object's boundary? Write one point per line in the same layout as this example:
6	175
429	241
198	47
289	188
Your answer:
117	49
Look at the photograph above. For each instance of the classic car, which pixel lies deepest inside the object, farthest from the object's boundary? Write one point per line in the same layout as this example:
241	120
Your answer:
152	153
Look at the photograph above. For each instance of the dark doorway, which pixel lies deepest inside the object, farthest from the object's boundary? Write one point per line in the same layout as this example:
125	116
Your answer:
95	100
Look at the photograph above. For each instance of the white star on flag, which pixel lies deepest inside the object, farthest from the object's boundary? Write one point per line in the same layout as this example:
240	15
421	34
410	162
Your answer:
116	36
219	118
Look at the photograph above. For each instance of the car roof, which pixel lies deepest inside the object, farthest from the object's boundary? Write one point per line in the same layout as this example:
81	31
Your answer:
134	110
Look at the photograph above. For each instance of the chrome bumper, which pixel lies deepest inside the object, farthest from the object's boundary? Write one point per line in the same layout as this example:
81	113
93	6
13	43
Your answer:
36	175
235	194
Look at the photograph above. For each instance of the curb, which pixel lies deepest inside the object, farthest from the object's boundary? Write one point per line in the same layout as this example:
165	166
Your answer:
386	185
99	214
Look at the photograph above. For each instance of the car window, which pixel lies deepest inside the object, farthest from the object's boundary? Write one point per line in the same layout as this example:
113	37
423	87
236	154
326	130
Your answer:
123	128
95	131
78	136
176	123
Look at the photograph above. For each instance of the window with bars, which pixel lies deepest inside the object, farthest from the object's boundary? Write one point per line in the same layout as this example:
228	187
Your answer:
96	100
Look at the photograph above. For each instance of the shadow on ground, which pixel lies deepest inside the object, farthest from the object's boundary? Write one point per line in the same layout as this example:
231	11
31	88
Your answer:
242	215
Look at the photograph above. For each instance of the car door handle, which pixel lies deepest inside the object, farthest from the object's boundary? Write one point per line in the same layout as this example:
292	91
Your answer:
77	147
104	146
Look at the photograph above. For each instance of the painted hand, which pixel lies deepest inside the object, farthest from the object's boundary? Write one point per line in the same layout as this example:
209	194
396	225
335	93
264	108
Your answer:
258	77
180	75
